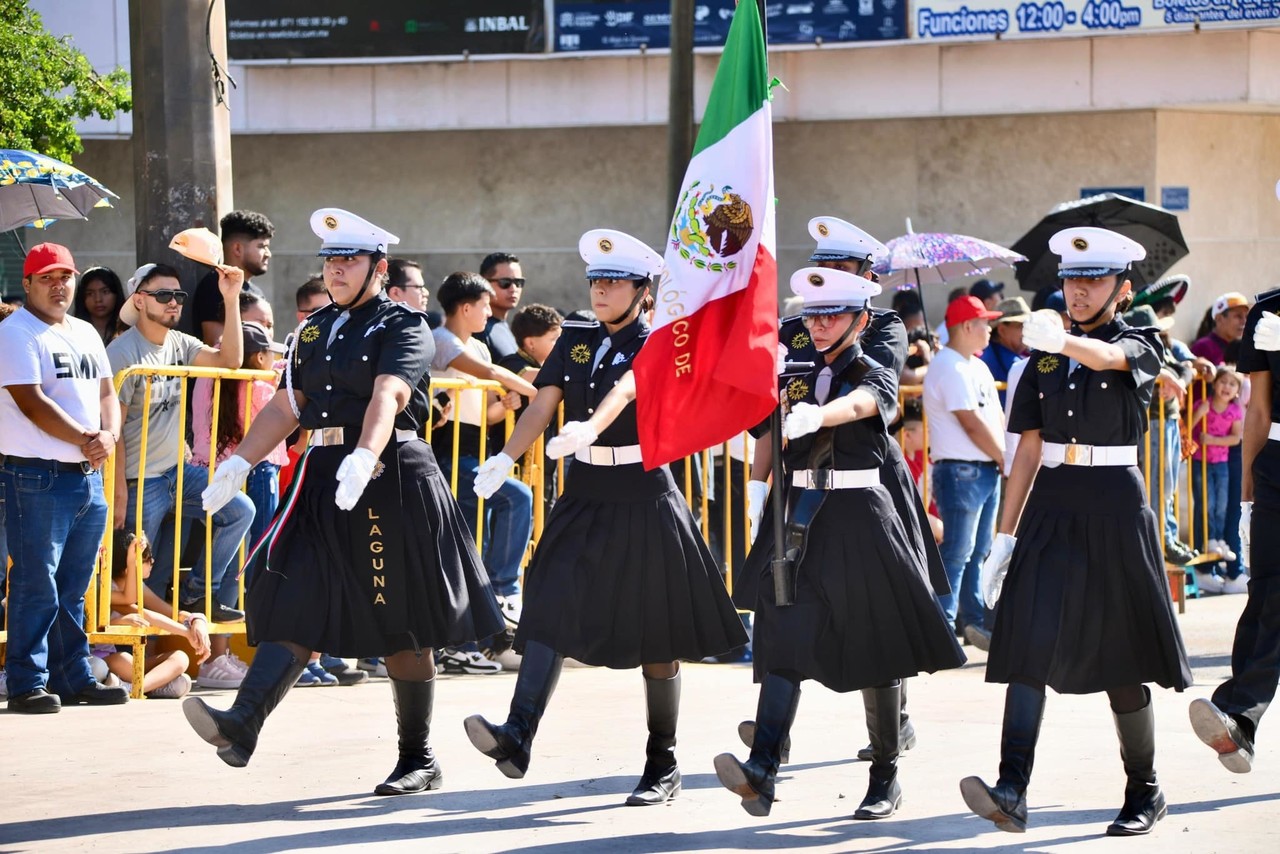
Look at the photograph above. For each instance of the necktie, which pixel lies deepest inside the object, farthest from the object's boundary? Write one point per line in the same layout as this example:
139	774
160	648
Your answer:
604	348
823	387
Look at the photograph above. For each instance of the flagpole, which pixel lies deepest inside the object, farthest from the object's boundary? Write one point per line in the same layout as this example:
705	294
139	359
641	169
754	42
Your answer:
679	99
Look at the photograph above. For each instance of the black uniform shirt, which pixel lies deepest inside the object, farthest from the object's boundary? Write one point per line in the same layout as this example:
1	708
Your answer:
1252	359
861	444
380	337
1085	406
568	367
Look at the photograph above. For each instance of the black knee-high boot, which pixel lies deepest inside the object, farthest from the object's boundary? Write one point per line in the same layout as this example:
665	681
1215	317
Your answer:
753	780
1006	802
661	779
907	730
509	743
884	794
235	732
417	769
1144	803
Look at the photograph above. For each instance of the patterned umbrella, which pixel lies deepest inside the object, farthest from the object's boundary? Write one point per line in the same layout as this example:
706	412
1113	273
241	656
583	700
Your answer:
931	258
35	189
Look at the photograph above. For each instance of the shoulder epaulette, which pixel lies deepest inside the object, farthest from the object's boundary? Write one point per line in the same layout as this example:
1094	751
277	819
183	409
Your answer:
580	324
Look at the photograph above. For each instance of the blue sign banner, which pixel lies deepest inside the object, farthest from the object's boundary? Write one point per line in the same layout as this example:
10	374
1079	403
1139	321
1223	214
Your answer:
969	19
634	24
1175	198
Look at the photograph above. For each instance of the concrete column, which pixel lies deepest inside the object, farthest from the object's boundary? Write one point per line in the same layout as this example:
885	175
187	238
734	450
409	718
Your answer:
181	135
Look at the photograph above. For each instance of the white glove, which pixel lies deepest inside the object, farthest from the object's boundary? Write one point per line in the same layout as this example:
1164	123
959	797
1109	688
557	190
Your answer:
782	359
757	493
1266	335
353	476
1246	528
991	576
573	437
804	418
227	480
492	474
1043	331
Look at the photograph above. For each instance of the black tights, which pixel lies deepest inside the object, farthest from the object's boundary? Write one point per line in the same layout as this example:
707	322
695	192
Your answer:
407	665
1125	699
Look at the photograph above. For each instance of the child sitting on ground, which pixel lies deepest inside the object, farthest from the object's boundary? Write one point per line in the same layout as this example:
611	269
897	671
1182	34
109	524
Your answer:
166	672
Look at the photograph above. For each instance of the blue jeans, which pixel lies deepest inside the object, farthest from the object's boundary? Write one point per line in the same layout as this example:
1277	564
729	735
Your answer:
230	524
55	521
508	524
1168	431
1216	497
263	487
967	495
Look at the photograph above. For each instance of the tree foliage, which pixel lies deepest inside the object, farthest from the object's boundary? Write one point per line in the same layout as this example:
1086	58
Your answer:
46	86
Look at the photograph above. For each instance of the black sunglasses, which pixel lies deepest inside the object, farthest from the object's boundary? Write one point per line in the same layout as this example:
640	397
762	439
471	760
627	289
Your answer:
507	283
164	295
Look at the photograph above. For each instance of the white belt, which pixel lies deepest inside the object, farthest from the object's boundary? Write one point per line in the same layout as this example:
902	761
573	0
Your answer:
835	478
1274	433
325	436
1089	455
603	455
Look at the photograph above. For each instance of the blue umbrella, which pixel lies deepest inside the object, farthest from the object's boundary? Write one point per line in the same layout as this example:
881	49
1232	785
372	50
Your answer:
35	189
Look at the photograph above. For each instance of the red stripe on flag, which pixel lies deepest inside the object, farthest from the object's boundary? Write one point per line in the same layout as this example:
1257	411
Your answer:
707	377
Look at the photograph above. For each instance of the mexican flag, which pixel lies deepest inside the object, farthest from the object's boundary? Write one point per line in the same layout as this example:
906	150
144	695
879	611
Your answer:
707	371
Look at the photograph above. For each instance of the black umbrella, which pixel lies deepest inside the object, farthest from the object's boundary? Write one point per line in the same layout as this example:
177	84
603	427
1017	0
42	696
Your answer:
1154	227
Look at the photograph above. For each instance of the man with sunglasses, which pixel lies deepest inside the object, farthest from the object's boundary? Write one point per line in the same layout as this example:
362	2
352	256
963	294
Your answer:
502	271
153	308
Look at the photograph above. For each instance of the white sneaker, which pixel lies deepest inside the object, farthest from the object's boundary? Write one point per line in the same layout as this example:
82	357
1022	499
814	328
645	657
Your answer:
1239	584
508	658
234	661
176	688
511	608
1225	550
99	668
471	662
1208	582
221	672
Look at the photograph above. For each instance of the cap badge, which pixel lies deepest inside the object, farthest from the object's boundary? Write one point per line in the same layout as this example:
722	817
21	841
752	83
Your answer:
1080	244
605	244
580	353
816	280
800	340
1047	364
823	230
711	226
309	333
331	222
797	390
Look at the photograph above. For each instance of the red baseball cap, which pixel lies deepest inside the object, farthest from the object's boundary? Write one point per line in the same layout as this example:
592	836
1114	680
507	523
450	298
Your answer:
968	308
46	257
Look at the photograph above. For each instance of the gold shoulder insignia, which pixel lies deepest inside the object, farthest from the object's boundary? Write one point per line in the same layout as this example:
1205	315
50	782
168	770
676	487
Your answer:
1047	364
800	340
580	353
310	333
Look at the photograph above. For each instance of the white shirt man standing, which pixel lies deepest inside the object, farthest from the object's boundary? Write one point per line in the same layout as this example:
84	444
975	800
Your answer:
58	424
966	446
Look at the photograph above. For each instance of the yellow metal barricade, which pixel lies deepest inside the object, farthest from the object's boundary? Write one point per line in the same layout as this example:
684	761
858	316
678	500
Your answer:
98	599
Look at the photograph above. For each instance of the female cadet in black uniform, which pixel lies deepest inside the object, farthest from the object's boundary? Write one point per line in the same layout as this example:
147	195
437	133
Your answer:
864	615
1229	722
1085	605
621	576
843	246
369	554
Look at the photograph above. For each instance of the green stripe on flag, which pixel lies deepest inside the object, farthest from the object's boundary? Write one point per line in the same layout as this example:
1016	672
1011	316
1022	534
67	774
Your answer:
741	85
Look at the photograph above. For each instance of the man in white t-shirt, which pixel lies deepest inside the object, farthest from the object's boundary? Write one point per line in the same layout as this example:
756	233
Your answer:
966	447
153	307
58	425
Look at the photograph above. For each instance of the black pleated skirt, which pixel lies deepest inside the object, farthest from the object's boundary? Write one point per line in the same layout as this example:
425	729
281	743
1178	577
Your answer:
398	571
865	612
1086	605
622	576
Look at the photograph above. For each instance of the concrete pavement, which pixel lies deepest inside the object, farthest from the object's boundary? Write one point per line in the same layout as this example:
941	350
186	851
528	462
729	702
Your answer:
135	778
